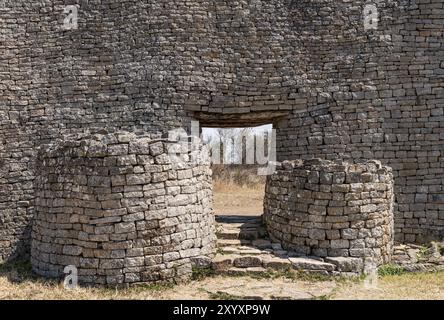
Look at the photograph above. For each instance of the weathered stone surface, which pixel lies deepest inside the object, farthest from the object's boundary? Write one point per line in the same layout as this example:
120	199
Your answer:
276	263
247	261
262	244
280	289
223	262
311	264
346	264
335	217
115	229
201	262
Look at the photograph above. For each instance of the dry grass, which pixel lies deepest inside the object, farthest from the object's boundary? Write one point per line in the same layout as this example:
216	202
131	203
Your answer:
238	175
408	286
238	190
234	199
17	282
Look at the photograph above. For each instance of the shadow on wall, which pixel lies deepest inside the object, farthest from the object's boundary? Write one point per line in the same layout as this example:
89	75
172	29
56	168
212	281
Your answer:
17	247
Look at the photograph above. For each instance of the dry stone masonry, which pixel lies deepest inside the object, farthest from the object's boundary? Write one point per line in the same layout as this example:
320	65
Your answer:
332	89
115	207
327	209
377	95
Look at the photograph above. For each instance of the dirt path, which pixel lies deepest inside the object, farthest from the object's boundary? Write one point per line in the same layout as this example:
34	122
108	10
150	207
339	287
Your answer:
235	200
407	286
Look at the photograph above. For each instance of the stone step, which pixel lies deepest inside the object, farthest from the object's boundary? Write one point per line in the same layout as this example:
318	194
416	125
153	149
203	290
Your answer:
238	251
240	225
328	266
238	234
225	262
243	271
232	243
238	219
250	251
303	264
244	244
276	263
227	234
261	244
222	263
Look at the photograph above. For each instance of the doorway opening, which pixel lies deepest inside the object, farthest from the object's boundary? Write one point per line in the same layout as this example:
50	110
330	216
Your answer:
238	156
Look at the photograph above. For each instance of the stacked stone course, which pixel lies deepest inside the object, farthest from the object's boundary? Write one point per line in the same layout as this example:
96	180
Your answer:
332	89
332	209
382	98
117	208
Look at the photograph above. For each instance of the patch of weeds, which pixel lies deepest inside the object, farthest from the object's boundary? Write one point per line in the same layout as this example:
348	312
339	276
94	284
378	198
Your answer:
202	273
360	278
352	278
390	270
424	252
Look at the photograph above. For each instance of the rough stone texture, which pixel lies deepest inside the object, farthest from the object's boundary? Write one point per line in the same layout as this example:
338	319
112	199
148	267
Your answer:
260	255
115	207
332	89
332	209
264	289
409	258
376	95
414	258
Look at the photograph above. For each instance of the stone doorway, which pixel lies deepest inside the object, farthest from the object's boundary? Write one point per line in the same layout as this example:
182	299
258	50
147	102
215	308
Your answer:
244	201
238	157
238	192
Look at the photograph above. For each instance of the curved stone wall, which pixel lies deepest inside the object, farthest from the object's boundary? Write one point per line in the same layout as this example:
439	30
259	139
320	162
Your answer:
383	101
332	209
333	89
118	208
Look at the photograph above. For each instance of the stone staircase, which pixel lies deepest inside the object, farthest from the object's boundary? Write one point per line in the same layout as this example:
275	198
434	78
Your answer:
244	247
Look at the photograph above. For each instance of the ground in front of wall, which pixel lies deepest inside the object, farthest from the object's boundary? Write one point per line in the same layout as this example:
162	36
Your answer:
17	282
232	199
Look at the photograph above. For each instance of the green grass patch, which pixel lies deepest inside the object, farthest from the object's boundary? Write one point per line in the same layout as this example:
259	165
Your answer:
424	252
390	270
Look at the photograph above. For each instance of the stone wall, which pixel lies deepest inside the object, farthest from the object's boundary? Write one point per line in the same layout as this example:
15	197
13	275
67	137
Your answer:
332	209
413	112
18	99
116	207
378	95
333	89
